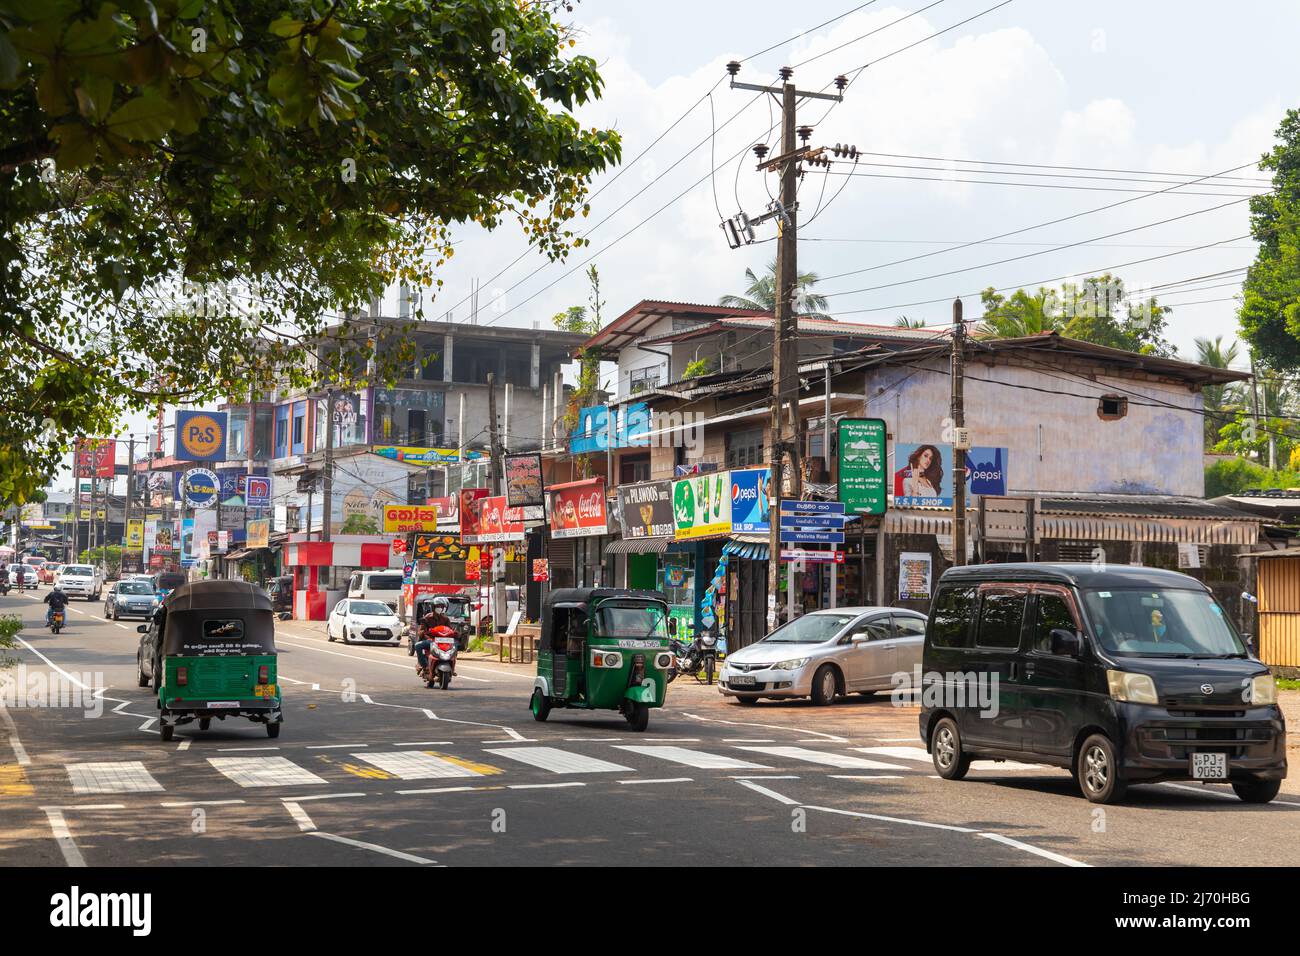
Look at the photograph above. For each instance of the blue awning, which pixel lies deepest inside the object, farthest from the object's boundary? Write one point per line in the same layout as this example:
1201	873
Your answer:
744	549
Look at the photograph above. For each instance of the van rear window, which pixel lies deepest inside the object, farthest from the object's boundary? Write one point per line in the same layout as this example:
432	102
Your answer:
950	619
385	582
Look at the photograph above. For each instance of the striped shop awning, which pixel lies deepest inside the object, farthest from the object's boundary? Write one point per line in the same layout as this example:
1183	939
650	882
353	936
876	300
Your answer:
921	522
637	546
752	547
1159	530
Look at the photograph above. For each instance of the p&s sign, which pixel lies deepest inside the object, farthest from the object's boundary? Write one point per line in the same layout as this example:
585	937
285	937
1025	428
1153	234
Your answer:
200	436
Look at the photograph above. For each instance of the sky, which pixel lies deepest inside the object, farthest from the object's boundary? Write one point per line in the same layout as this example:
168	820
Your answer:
1149	88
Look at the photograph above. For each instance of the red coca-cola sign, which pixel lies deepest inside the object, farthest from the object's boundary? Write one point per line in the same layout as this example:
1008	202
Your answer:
577	509
494	521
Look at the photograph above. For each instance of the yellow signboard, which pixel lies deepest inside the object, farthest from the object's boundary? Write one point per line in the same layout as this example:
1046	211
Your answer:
402	518
135	533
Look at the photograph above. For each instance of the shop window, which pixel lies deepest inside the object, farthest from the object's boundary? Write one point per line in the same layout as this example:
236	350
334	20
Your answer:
409	417
1111	408
298	438
641	379
282	432
633	468
745	448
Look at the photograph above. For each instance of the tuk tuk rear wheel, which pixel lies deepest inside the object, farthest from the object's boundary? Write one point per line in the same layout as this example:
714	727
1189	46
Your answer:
638	717
205	723
273	729
539	705
167	732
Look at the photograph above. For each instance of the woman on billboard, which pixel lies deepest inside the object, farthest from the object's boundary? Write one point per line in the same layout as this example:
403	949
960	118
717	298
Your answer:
923	475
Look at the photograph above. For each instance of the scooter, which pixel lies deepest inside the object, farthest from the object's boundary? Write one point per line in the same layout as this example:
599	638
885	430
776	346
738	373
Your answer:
56	619
441	658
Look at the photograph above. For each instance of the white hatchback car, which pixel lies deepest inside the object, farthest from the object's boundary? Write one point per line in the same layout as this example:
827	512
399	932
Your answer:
826	654
369	622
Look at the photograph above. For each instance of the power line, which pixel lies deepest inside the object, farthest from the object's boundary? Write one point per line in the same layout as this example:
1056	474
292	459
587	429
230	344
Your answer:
1091	169
999	182
1041	252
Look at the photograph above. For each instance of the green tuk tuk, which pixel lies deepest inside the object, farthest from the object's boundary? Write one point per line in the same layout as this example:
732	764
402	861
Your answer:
210	652
602	649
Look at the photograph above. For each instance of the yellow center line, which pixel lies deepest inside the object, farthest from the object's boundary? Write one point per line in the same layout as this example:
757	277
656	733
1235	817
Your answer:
484	769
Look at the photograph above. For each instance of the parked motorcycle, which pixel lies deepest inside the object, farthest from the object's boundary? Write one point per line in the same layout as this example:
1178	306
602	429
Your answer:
697	658
56	620
441	658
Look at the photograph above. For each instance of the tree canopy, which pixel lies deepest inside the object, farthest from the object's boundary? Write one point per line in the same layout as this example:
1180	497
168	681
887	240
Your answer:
1270	309
761	293
1100	310
192	192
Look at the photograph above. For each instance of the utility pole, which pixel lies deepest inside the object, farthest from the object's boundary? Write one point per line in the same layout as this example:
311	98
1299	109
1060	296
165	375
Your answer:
327	495
130	486
784	427
960	440
494	482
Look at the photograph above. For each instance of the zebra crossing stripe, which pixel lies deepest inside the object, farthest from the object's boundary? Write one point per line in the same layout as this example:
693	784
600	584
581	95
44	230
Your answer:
264	771
558	761
694	758
127	776
842	761
415	765
919	754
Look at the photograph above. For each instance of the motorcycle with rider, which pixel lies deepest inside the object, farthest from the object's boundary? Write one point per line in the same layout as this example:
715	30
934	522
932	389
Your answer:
435	652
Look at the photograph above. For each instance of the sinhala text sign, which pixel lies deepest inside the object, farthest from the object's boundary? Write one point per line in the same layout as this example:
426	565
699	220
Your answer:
862	465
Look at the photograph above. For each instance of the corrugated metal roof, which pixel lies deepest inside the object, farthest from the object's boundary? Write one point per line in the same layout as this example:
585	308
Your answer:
1155	506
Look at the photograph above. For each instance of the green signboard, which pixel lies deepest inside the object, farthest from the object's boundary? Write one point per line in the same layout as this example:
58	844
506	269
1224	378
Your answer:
862	460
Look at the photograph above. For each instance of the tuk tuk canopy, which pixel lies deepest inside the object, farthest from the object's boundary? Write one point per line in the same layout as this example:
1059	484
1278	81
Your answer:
218	619
586	598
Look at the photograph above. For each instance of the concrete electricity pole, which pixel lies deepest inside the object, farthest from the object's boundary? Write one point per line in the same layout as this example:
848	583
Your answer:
784	426
327	496
961	441
496	470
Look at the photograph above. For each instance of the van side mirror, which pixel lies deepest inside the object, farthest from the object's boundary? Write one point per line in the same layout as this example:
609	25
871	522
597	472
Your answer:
142	628
1066	643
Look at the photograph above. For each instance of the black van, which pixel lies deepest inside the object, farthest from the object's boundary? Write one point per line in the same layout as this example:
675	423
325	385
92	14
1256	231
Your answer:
1120	674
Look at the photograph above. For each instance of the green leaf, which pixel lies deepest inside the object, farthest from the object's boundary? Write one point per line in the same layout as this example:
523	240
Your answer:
9	62
146	117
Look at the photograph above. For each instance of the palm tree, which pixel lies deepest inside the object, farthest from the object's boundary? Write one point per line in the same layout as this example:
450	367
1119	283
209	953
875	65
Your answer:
1022	313
1221	401
760	294
903	322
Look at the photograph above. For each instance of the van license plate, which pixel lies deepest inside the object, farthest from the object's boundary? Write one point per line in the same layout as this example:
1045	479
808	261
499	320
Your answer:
742	680
1209	766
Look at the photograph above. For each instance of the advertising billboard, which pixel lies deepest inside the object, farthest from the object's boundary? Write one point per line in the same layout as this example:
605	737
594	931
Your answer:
403	518
497	522
702	506
200	436
646	510
862	464
96	457
577	509
749	501
923	474
524	481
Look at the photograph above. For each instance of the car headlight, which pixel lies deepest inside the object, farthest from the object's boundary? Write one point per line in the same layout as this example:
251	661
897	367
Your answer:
792	664
1263	690
1134	688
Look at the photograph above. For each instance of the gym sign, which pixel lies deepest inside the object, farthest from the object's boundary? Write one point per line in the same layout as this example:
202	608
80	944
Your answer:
200	436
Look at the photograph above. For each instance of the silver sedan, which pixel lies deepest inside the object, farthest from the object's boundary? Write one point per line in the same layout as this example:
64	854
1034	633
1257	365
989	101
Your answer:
826	654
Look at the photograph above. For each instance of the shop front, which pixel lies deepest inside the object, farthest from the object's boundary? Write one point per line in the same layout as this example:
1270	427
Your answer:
578	538
314	563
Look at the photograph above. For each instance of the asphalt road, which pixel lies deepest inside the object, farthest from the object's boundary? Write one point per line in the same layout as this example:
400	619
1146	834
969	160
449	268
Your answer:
373	769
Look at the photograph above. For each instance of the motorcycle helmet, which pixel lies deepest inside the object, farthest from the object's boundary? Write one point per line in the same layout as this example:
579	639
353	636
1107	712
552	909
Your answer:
440	604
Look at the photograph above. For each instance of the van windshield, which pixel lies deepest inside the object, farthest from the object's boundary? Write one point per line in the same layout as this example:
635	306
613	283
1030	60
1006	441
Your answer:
1167	622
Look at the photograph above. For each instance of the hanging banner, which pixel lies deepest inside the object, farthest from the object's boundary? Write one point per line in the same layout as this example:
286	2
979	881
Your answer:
702	506
188	554
199	488
164	536
257	491
257	533
862	462
646	510
402	518
914	576
495	522
750	502
425	456
577	509
135	534
472	570
200	436
438	547
96	457
524	481
541	569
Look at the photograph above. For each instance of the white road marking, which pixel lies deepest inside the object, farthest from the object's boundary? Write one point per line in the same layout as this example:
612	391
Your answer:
750	723
414	765
1045	854
199	803
897	740
903	820
1206	790
768	793
661	780
558	761
879	776
694	758
55	666
63	836
112	777
592	740
672	740
325	796
445	790
748	740
842	761
184	744
544	786
919	754
336	746
409	666
397	854
514	740
264	771
299	815
20	753
229	750
421	743
148	723
762	776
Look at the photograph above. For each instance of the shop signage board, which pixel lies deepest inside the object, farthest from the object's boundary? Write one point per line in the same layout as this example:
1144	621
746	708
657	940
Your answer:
524	481
796	506
496	522
96	457
750	501
800	554
805	520
425	456
577	509
646	510
702	506
468	513
923	476
200	436
813	537
863	460
199	488
402	518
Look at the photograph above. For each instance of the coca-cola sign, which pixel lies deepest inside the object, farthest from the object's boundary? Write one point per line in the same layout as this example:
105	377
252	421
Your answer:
496	522
577	509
